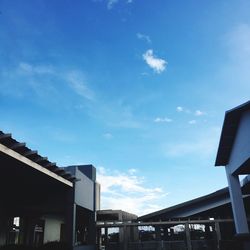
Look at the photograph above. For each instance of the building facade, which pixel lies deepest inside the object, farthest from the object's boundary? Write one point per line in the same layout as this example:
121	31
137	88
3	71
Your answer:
41	202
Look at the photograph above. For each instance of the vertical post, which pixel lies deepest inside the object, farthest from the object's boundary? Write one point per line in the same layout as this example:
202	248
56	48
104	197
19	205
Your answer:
106	237
125	237
218	234
239	212
92	228
70	216
158	236
188	237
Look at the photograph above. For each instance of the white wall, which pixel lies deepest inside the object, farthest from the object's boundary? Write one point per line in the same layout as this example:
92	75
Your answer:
84	191
241	147
52	229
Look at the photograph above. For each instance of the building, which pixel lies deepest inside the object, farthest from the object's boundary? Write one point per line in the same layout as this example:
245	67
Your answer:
234	154
109	233
41	202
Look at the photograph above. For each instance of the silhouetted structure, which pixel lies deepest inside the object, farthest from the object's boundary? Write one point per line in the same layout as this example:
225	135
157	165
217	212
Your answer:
234	154
41	202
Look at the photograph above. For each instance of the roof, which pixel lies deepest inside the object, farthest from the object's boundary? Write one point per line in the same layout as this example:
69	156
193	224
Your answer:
21	151
198	205
229	130
187	208
115	215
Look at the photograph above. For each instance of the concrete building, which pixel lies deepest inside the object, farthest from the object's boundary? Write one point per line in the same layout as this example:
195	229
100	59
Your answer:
109	234
234	154
41	202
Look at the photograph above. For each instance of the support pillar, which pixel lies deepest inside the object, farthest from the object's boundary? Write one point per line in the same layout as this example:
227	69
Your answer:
158	237
239	212
125	238
218	233
70	218
106	237
188	236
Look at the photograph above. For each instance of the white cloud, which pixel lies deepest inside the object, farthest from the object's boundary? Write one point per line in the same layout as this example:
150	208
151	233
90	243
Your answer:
192	122
157	64
78	83
199	113
28	68
126	191
132	171
179	109
111	3
187	111
143	37
165	119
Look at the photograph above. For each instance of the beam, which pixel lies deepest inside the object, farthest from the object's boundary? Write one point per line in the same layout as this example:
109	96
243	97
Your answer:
155	223
30	152
4	136
17	145
59	170
32	164
50	165
41	159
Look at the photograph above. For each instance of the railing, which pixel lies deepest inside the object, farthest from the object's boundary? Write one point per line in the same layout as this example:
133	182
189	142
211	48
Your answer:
167	235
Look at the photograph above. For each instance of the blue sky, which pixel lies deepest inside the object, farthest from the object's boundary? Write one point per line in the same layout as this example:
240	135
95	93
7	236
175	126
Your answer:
138	88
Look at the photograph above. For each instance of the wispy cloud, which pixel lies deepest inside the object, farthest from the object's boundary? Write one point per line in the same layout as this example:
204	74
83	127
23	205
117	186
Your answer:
238	41
111	3
192	122
179	109
162	119
28	68
157	64
44	82
188	111
126	190
143	37
78	83
199	113
203	145
107	136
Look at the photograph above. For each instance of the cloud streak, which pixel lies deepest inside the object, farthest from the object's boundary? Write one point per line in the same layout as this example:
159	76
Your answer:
27	68
203	146
78	83
143	37
157	64
111	3
162	119
199	113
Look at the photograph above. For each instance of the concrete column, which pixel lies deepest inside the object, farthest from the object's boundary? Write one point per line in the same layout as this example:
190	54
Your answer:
239	212
92	229
218	233
188	236
125	238
106	236
158	237
70	218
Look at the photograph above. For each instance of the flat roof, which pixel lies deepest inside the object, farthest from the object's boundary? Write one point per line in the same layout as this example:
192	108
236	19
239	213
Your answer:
22	153
229	130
